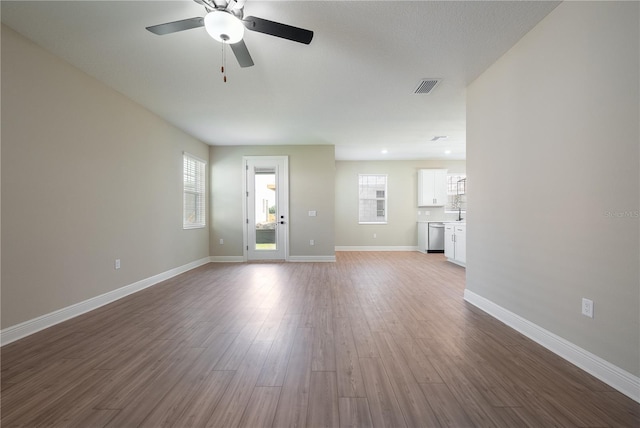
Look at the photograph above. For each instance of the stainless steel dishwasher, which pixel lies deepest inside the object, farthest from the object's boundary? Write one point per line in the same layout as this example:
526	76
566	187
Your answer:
436	238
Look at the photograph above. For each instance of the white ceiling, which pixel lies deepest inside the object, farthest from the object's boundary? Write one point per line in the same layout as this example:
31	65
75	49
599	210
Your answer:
351	87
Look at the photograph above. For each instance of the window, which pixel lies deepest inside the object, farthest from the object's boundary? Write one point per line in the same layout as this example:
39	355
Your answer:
193	213
372	199
456	193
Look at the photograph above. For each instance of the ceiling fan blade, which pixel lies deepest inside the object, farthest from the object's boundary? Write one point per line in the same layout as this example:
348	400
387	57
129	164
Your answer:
277	29
242	54
175	26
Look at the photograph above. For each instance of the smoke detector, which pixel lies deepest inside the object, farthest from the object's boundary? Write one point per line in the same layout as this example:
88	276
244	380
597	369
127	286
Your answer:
439	137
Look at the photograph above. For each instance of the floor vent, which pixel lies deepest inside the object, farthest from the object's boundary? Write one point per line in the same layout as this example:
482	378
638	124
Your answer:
426	86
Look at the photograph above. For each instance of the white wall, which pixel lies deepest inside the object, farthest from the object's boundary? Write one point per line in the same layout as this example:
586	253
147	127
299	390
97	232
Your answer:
88	176
553	167
402	205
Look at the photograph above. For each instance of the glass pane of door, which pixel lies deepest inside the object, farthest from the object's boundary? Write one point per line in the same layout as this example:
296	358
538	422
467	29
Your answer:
266	209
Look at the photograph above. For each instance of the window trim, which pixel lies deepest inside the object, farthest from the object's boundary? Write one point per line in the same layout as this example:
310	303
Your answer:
385	199
199	190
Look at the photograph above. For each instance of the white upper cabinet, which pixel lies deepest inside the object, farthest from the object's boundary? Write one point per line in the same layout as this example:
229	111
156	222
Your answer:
432	187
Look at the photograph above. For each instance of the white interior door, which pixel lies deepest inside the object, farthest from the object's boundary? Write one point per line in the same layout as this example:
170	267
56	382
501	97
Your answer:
266	207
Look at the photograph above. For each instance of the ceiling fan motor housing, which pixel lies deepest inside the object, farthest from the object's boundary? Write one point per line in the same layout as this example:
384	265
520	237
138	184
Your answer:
227	24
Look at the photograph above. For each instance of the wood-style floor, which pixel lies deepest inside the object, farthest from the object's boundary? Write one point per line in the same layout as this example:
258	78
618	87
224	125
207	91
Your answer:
373	340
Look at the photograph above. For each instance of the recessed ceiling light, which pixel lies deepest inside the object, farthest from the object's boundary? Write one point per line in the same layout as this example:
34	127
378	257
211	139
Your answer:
447	152
384	151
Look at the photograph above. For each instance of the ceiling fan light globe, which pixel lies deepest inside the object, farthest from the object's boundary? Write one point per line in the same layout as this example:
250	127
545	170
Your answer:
224	27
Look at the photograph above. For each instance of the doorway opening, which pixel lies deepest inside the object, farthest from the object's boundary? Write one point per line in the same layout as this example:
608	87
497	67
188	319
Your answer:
266	207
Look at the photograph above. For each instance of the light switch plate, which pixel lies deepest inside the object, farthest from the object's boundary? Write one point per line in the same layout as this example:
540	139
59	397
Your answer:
312	213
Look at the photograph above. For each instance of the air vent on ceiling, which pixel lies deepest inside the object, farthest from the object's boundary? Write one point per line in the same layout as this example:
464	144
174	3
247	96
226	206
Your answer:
426	86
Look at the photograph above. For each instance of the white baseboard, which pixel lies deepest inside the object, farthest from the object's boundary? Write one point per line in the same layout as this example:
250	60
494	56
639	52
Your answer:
312	259
226	259
617	378
378	248
18	331
464	265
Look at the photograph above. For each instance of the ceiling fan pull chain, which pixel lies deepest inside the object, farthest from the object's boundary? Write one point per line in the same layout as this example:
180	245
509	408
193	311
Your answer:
224	63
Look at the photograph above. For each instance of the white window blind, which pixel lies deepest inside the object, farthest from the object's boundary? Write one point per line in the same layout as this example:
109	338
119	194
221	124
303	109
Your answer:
193	214
372	198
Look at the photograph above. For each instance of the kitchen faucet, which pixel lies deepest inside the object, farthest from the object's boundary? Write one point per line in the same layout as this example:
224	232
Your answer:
458	194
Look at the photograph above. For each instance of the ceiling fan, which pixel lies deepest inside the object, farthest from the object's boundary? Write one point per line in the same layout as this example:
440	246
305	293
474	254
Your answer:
225	22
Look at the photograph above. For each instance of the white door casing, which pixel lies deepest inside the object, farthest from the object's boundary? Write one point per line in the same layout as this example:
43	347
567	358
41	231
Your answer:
266	207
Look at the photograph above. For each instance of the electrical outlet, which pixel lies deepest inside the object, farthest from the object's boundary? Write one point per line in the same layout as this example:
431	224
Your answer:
587	307
427	213
313	213
375	236
312	242
117	264
221	241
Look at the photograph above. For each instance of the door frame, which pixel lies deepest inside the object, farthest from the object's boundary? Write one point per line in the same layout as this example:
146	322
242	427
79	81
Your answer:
284	208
